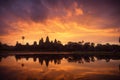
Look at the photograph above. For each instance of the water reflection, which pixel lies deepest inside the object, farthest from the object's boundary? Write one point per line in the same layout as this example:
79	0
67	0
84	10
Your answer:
56	58
59	67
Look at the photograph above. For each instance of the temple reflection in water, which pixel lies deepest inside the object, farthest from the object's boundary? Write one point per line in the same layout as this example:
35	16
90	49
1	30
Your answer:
59	66
56	58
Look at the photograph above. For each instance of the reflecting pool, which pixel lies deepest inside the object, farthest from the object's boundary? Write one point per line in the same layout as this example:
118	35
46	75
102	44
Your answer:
61	66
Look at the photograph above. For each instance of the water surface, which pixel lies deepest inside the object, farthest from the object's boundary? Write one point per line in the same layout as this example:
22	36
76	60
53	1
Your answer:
55	66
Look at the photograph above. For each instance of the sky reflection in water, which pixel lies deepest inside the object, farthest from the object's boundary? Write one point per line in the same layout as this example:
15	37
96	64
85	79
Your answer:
59	67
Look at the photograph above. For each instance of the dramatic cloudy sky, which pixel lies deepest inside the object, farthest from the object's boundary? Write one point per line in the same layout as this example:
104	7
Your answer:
67	20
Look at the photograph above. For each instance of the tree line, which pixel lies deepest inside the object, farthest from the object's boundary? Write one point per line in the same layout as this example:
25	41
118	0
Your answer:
56	45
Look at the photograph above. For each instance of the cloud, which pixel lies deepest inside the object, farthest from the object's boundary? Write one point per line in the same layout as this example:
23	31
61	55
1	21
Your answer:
34	10
58	16
108	10
78	11
2	29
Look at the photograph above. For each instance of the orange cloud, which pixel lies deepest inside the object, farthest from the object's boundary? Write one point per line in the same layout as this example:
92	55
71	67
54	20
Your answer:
56	28
71	27
66	21
78	11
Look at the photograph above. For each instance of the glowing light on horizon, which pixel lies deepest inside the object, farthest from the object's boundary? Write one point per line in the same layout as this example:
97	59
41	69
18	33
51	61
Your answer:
72	21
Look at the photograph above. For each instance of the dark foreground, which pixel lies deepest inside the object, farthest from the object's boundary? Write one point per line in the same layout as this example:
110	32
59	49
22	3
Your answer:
59	66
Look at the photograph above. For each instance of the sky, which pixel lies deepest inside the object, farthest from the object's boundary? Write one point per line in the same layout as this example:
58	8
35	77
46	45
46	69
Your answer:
95	21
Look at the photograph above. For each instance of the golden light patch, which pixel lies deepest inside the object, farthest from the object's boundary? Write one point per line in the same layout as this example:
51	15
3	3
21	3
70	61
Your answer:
56	28
78	11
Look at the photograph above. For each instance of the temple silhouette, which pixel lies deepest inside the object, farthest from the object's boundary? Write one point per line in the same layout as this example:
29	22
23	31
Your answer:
56	45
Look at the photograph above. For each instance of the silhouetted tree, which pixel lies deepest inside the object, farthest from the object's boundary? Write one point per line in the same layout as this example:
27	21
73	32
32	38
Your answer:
56	45
92	46
0	46
23	37
86	46
98	47
0	43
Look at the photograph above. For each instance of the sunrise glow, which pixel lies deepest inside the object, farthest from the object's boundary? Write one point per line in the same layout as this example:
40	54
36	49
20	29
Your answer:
70	20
